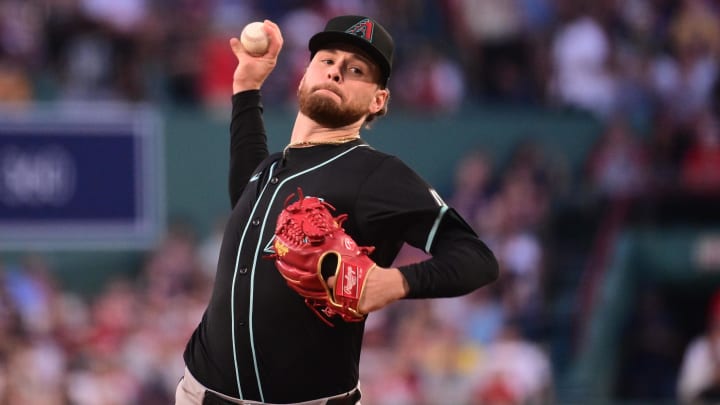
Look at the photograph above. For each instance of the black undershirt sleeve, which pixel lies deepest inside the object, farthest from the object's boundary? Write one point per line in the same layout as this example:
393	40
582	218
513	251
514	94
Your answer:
460	263
397	205
248	142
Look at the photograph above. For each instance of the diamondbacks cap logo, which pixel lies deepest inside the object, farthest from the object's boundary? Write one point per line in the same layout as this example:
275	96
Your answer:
363	29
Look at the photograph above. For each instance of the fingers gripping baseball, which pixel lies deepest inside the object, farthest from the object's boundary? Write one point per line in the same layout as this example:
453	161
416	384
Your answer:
252	69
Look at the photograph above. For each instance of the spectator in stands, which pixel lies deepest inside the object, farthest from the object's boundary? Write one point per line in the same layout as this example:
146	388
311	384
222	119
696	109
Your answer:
209	249
683	78
446	364
174	267
37	372
525	186
15	84
401	335
667	146
617	165
113	315
472	183
699	378
581	53
697	25
10	327
33	359
218	64
495	49
431	82
700	171
514	371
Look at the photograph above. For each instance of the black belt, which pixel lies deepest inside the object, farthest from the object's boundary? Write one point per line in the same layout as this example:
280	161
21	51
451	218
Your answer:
351	398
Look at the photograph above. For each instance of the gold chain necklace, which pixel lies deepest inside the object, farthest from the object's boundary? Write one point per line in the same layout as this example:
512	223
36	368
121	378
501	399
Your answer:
338	141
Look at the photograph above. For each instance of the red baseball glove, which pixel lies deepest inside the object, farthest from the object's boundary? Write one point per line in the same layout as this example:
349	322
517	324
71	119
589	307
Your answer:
310	247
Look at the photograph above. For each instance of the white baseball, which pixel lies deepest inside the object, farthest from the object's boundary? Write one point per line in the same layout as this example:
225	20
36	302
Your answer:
254	39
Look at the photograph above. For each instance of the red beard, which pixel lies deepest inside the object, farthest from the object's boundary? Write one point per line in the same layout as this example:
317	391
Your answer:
327	112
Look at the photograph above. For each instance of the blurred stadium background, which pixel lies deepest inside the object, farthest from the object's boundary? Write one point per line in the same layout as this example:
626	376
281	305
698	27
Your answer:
580	138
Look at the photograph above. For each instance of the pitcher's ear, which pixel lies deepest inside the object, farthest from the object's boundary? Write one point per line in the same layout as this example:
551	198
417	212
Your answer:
380	100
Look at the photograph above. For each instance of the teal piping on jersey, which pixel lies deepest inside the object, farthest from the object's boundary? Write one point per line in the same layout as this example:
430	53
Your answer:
257	250
436	225
232	292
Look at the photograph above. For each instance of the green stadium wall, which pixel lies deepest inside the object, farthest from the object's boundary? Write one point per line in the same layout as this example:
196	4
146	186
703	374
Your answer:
196	159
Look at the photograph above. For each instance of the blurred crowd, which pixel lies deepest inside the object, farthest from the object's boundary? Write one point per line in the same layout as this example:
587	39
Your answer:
122	346
607	57
647	70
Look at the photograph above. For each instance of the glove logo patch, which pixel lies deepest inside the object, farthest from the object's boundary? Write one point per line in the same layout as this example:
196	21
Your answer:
350	282
349	243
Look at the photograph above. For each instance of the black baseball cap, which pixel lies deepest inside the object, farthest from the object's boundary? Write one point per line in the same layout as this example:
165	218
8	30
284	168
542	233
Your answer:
363	32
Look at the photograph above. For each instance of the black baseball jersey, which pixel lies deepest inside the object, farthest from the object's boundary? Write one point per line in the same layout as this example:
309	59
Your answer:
257	339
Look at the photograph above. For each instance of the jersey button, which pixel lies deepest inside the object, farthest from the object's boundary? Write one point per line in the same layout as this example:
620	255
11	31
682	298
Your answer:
243	270
255	222
274	180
